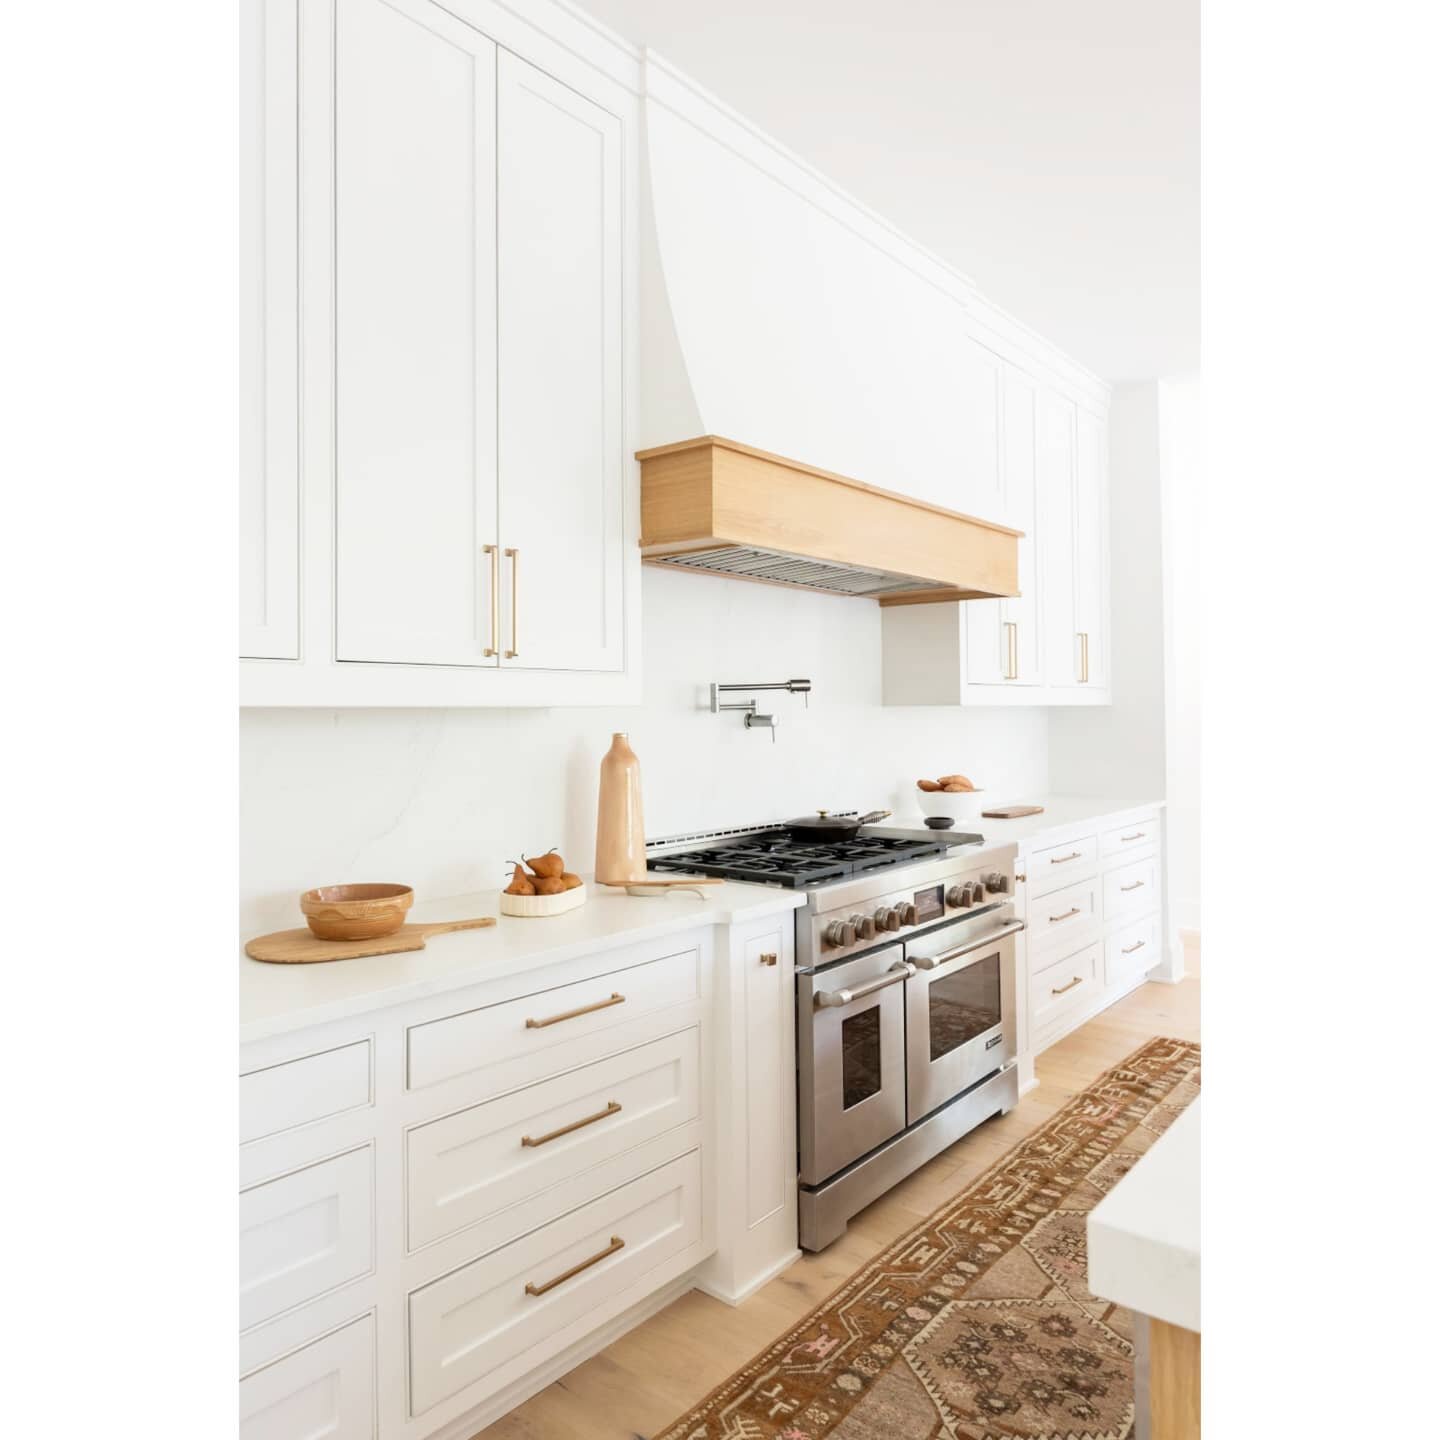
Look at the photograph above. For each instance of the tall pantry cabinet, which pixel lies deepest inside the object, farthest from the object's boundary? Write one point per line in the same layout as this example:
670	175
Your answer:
467	242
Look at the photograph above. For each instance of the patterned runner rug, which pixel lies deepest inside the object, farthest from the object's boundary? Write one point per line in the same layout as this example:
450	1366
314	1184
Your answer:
978	1324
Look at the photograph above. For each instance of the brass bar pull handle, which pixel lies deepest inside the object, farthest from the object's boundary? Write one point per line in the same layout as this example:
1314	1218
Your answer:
613	1108
616	1243
1138	885
1138	835
1131	949
1012	651
615	999
1061	859
769	959
514	557
1076	981
1073	910
493	551
1084	658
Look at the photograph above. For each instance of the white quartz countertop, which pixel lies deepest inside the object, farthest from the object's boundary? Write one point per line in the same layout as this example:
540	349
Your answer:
275	999
1061	812
1144	1236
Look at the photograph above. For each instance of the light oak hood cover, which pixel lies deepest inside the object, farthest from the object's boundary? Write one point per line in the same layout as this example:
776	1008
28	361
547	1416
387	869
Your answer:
718	506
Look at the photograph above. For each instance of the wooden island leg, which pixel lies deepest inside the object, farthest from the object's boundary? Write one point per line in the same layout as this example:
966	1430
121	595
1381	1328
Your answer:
1174	1382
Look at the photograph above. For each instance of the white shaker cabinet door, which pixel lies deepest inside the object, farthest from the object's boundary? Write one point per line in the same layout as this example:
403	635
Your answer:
560	440
1091	552
1055	489
415	489
269	333
982	492
1021	641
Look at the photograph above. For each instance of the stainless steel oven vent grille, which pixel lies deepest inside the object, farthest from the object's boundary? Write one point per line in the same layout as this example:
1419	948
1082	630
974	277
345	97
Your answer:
778	568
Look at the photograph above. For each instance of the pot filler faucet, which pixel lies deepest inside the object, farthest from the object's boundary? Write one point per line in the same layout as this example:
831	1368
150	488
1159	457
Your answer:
754	721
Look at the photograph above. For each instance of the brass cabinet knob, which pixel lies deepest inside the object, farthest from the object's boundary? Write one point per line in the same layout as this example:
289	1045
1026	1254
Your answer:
769	959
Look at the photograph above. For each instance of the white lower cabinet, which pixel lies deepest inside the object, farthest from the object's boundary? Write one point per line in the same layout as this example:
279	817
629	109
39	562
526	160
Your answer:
323	1391
525	1299
1093	914
468	1168
501	1178
755	1171
305	1233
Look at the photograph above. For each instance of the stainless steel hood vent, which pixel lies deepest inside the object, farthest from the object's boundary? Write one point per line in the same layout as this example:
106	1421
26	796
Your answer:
779	569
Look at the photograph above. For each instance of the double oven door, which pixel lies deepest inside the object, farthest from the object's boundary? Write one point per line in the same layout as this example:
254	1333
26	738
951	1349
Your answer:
959	1011
889	1036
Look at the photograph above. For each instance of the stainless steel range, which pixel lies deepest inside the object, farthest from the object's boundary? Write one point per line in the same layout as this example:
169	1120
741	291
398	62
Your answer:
905	1000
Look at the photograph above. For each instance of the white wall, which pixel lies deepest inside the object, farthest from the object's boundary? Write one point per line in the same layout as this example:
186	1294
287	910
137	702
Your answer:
1182	480
1119	749
440	798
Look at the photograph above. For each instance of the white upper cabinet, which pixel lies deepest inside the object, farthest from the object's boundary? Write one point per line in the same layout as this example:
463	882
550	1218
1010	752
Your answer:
415	363
269	333
561	497
464	313
1055	491
1050	644
1092	569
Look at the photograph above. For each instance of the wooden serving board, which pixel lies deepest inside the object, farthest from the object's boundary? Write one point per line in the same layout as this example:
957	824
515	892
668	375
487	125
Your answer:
300	947
1012	812
654	882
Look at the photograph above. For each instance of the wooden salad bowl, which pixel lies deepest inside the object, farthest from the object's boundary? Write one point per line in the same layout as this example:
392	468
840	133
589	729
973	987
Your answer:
355	912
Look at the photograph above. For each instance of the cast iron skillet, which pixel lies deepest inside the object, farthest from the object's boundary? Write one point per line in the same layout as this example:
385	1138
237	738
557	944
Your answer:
825	826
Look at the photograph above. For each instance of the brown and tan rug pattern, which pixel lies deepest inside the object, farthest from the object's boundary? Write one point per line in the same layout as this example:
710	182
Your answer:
978	1324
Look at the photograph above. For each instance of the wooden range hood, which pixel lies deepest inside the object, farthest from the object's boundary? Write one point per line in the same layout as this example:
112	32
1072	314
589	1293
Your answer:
723	508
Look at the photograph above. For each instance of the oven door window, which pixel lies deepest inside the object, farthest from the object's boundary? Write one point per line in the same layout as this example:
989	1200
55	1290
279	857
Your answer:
963	1005
860	1056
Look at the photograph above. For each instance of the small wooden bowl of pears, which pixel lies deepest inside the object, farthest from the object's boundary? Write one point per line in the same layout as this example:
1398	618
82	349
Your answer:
541	886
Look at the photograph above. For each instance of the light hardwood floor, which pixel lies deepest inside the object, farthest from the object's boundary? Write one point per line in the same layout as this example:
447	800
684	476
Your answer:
647	1378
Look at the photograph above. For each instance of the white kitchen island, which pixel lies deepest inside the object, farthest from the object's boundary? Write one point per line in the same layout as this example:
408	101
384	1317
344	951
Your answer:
1144	1253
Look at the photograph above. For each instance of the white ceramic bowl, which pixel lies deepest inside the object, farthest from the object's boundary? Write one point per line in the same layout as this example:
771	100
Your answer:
959	805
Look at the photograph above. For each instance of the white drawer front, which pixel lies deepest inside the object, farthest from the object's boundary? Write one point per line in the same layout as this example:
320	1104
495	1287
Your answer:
325	1391
280	1097
304	1233
1133	838
1059	865
1132	889
1132	950
477	1318
559	1028
466	1167
1065	986
1064	920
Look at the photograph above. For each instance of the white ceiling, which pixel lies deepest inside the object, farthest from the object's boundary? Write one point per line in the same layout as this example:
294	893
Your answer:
1049	149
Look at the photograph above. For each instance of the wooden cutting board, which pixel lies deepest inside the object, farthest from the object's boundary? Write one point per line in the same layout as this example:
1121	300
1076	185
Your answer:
1012	812
300	947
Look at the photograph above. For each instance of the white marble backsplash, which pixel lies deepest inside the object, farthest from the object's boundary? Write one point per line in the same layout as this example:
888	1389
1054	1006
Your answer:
440	799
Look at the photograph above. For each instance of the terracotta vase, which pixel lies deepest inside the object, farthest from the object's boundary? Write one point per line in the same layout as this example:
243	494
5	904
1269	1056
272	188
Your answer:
620	829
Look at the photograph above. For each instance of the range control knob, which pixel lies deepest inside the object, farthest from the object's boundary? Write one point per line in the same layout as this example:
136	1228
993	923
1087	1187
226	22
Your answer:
839	933
864	926
958	896
887	918
907	914
997	883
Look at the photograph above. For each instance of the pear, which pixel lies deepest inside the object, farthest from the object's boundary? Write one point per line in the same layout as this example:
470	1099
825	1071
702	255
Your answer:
571	881
549	866
520	882
549	885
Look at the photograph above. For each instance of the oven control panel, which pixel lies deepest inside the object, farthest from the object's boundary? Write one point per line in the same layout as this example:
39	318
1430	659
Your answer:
840	930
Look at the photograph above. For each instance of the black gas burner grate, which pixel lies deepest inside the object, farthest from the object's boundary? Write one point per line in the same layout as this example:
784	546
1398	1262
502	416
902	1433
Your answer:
775	858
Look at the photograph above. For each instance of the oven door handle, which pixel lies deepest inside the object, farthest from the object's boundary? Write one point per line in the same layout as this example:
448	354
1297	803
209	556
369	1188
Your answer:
831	999
934	962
